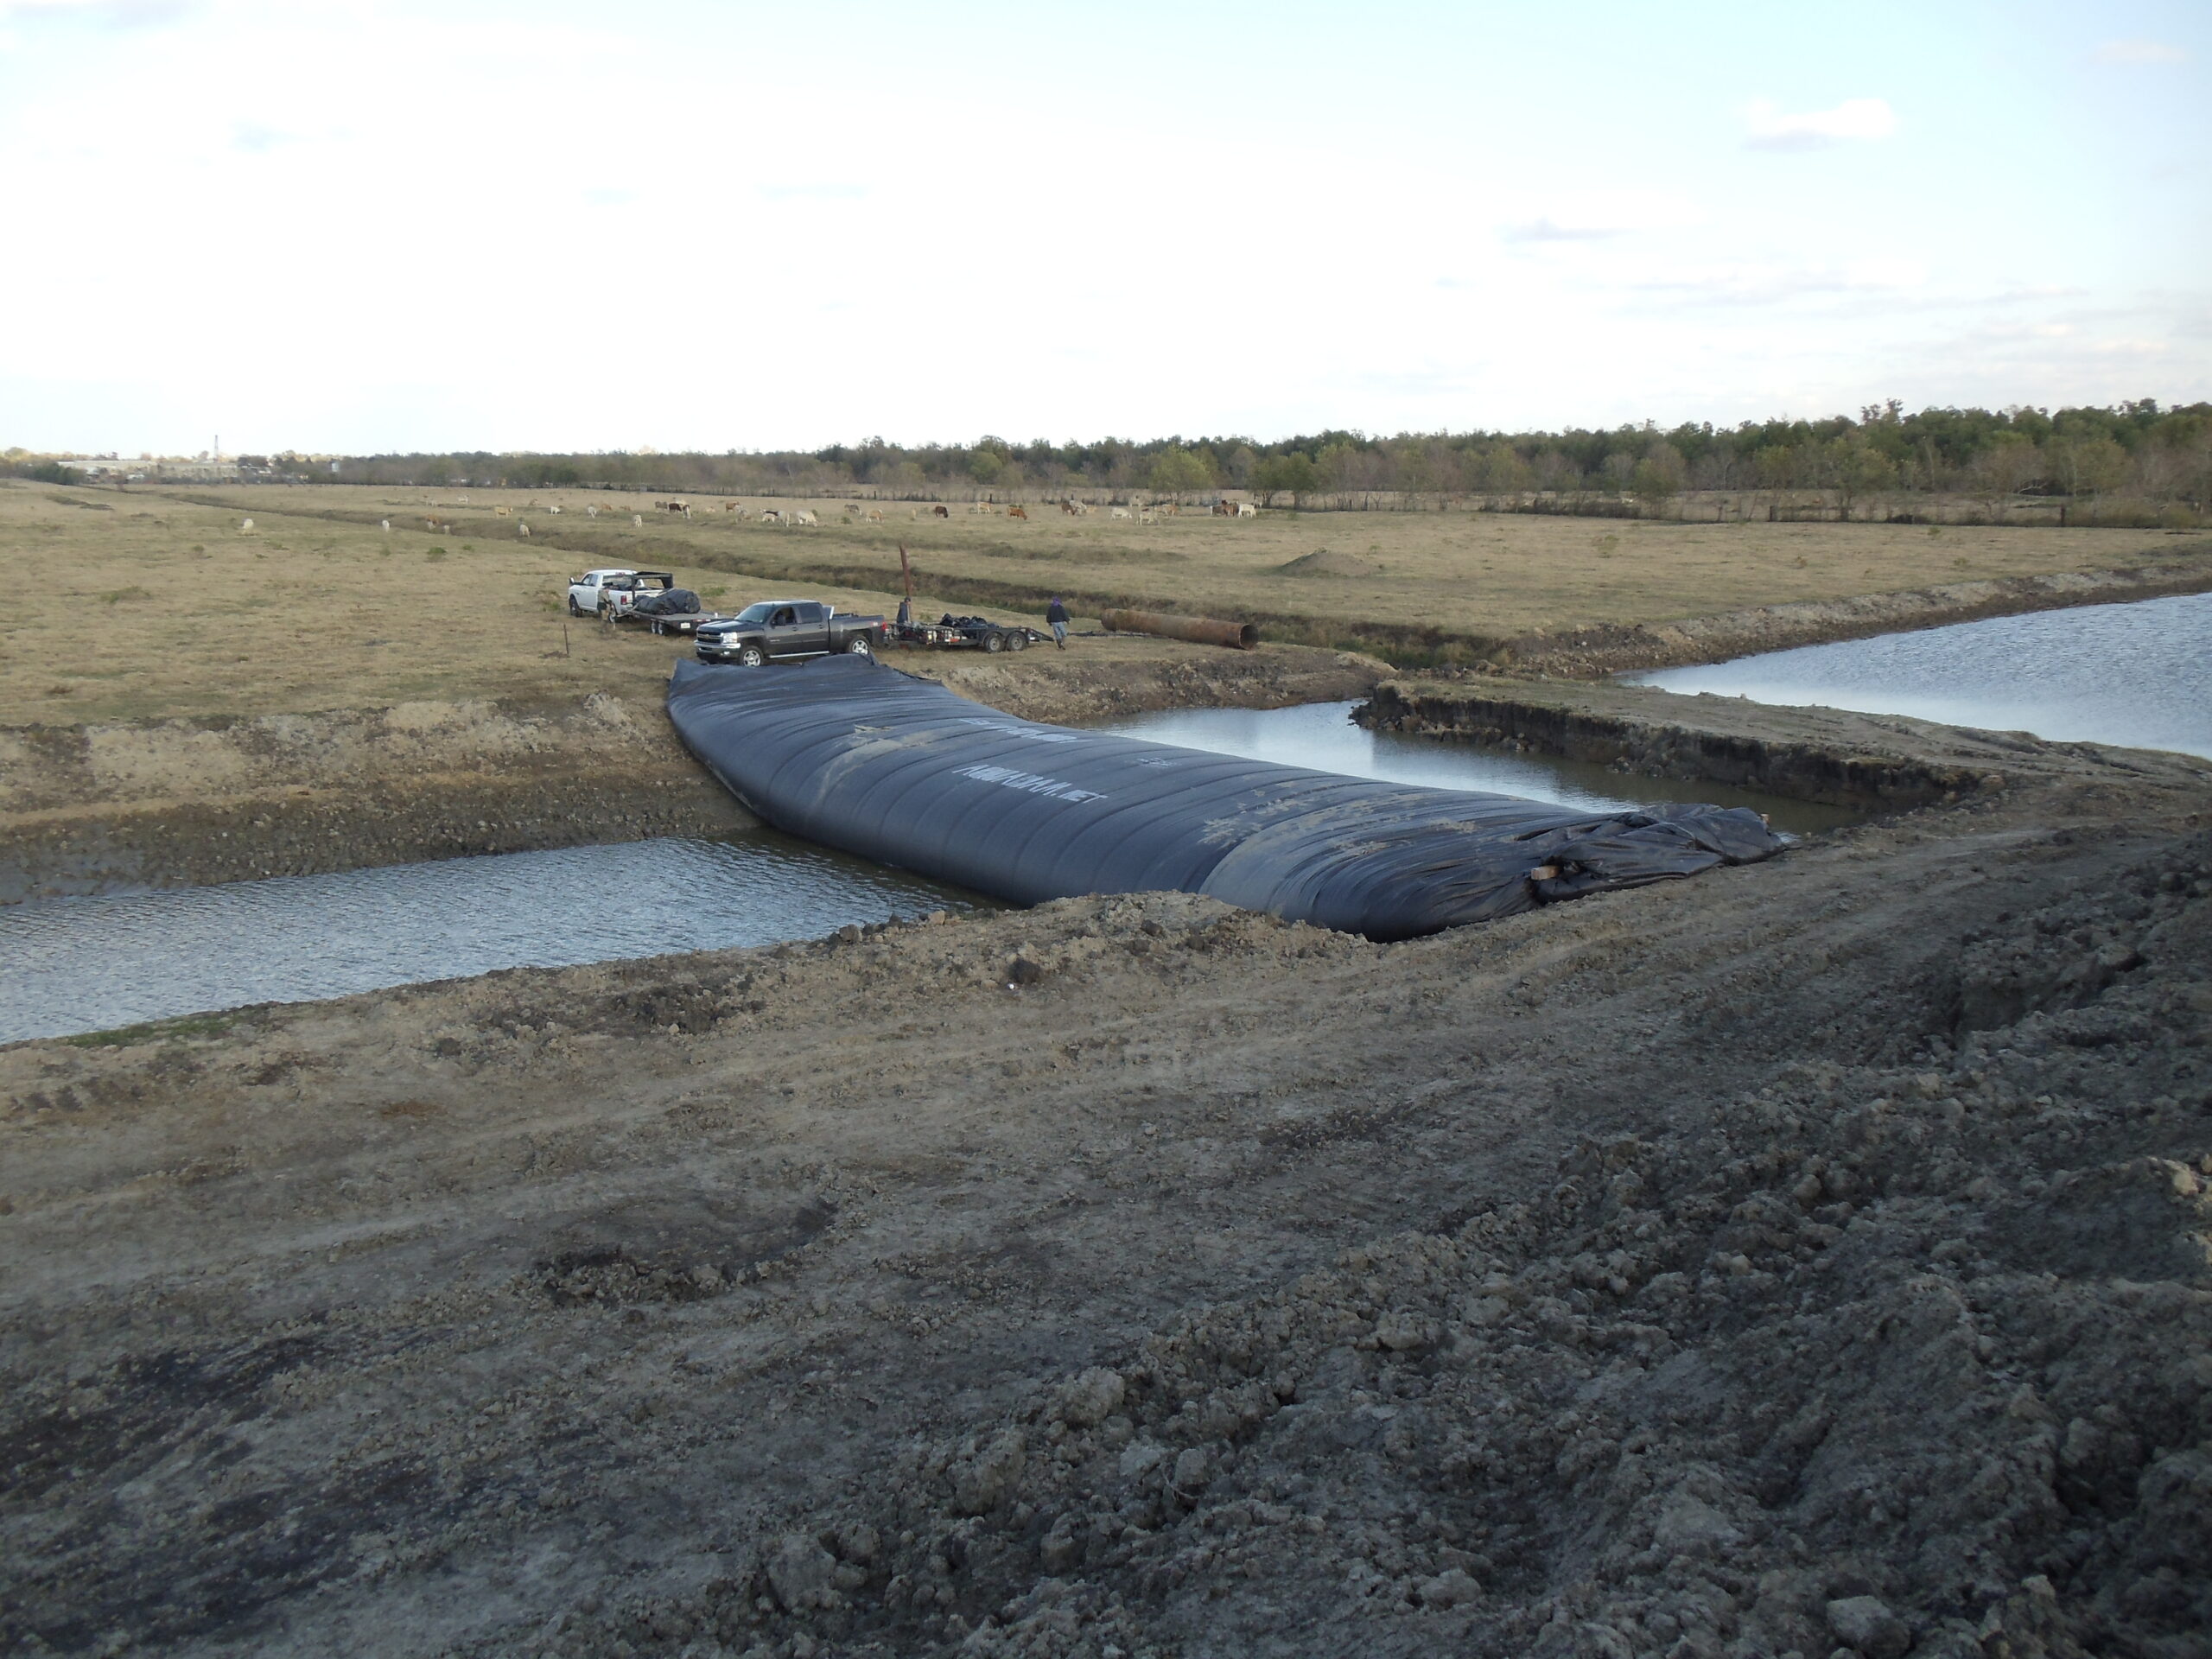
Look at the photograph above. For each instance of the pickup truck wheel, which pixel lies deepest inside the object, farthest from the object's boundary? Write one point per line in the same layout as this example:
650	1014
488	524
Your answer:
753	657
994	642
858	648
575	609
1017	641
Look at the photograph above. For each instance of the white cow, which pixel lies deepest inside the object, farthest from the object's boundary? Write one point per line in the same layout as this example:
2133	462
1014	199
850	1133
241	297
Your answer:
386	526
1119	513
248	525
591	512
555	507
875	515
1246	509
803	516
521	529
638	519
771	516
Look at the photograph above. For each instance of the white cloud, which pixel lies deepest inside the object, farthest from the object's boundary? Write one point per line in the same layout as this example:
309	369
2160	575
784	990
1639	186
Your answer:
2140	52
1591	218
1854	120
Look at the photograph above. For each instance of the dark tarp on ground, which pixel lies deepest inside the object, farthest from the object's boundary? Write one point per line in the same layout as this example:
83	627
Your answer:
857	756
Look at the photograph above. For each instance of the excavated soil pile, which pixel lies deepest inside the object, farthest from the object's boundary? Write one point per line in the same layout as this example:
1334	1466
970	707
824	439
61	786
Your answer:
1323	563
1810	1258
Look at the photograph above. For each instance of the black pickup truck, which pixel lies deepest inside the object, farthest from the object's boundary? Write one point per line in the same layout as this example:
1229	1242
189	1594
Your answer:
786	628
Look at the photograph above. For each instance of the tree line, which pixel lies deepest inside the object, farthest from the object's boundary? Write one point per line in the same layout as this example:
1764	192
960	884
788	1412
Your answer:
2135	449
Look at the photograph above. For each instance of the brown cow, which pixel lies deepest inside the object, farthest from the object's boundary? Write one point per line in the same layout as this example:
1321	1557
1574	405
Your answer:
1017	512
1071	509
941	510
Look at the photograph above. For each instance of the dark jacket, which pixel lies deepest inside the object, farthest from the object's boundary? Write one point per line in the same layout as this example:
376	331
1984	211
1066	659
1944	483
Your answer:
1057	612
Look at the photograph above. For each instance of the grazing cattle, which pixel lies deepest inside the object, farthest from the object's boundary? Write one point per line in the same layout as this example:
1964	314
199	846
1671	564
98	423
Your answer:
803	516
1246	509
555	507
1119	513
1022	513
503	512
941	510
386	525
852	506
521	529
1149	516
733	507
637	517
591	511
875	515
1071	509
247	524
771	516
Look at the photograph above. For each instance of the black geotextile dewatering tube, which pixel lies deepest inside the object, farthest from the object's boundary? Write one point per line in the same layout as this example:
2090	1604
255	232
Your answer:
857	756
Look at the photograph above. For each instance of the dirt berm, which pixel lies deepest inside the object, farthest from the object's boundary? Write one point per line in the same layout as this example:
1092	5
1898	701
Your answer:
1808	1257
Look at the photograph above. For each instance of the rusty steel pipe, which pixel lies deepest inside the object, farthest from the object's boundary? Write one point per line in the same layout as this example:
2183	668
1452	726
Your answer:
1199	630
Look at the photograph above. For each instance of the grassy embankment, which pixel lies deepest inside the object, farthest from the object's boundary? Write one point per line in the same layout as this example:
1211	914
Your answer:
158	604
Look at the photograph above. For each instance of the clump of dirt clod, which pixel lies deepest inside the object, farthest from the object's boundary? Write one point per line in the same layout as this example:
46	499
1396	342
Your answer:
1879	1360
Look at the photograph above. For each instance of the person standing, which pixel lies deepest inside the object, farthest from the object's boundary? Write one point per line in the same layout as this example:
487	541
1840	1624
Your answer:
1057	615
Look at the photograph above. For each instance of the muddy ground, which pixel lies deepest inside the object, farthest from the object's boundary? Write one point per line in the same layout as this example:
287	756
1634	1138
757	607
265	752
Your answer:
1808	1257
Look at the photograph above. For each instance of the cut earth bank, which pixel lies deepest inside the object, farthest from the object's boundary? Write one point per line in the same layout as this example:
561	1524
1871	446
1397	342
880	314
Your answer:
1810	1255
224	798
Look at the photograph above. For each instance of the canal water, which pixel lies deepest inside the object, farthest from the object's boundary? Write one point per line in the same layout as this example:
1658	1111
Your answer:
77	964
2139	675
1321	735
93	964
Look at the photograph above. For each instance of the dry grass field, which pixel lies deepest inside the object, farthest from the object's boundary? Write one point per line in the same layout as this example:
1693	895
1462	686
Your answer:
146	607
153	603
1320	576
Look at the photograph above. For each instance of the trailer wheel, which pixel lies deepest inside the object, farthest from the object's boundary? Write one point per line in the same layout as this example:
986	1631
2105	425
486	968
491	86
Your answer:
994	641
753	657
1017	641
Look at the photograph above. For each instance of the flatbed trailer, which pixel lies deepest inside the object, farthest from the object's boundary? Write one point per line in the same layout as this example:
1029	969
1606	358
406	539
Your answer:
689	624
965	633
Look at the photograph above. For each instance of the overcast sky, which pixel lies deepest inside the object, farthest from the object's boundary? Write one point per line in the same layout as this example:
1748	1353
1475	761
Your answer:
363	227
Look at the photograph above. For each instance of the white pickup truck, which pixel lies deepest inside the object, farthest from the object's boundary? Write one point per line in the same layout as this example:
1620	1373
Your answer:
615	590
